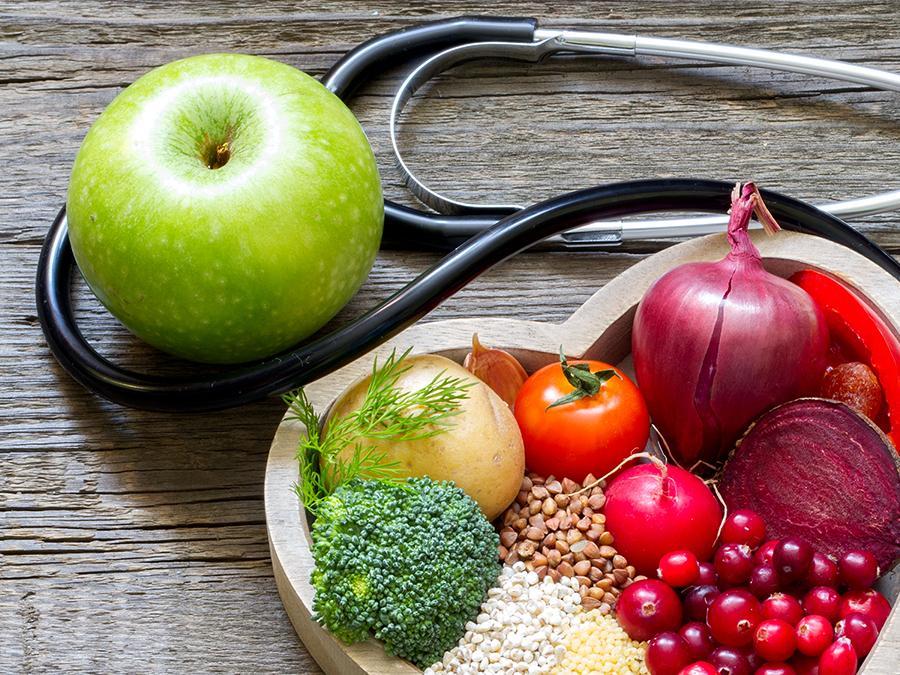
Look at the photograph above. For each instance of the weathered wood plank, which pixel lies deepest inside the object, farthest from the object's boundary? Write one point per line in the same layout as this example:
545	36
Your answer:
135	541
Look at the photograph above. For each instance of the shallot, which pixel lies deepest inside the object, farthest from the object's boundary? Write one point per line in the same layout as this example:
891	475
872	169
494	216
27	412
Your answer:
715	344
500	370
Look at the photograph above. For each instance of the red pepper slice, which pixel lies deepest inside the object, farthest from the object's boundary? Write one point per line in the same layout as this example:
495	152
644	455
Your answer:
859	331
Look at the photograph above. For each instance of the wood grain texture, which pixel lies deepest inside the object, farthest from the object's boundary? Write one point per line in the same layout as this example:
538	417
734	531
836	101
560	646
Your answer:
136	541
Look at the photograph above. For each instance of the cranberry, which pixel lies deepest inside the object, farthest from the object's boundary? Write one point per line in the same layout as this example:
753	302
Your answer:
679	568
708	576
782	606
733	563
791	559
871	603
732	617
764	553
698	639
648	607
763	581
805	665
774	640
775	669
730	661
699	668
744	527
859	570
667	653
814	633
860	630
697	600
823	600
838	659
754	659
822	571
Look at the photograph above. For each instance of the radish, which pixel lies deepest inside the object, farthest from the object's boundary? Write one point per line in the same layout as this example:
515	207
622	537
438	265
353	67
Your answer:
652	509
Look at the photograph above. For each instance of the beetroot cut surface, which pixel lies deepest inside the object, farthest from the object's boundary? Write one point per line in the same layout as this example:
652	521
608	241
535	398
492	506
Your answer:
815	469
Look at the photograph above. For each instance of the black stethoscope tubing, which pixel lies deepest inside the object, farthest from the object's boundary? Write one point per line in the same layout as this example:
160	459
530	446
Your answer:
477	242
294	368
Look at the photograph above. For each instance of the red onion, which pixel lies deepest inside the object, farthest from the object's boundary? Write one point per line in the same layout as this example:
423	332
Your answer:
717	344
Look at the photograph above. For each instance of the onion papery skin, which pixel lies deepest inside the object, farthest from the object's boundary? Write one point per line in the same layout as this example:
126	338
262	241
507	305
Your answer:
716	344
498	369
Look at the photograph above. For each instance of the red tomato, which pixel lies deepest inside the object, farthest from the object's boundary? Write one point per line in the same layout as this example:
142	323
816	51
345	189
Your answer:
590	435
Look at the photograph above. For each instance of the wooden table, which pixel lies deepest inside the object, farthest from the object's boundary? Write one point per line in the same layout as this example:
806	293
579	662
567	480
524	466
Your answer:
133	541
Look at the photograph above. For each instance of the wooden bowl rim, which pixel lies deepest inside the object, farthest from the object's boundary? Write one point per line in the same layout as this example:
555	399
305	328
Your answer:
605	312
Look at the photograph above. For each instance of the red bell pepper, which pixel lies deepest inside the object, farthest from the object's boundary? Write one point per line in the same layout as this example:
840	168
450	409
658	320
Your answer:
858	332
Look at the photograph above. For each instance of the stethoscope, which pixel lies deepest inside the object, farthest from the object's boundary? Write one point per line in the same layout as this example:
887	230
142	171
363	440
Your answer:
476	236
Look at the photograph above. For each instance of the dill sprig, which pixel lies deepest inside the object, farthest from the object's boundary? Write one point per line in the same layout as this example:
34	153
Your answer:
387	413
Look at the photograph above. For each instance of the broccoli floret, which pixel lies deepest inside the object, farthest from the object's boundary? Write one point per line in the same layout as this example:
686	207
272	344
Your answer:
407	563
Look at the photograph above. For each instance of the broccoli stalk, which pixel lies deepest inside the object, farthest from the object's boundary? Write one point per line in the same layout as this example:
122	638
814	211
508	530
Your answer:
407	563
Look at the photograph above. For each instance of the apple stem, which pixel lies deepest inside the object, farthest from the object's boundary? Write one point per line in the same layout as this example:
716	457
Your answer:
220	157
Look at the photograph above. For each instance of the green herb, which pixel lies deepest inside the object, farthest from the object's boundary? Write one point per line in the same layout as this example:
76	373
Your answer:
387	413
580	376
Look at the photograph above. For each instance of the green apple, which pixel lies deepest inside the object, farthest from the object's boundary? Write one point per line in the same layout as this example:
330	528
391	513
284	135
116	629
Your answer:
224	207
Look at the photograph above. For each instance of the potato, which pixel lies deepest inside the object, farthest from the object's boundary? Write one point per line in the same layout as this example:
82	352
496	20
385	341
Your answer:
480	449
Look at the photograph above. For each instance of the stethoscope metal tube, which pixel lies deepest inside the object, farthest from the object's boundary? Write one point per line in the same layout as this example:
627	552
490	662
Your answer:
477	240
546	42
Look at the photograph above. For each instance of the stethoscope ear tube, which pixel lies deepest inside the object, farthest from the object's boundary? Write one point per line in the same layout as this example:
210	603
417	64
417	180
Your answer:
383	51
449	42
310	361
402	224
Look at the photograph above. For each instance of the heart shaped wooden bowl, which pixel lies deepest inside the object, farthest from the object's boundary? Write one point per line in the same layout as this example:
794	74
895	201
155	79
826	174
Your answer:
601	328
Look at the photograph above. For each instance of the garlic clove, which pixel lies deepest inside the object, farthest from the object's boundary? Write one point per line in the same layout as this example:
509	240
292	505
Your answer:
498	369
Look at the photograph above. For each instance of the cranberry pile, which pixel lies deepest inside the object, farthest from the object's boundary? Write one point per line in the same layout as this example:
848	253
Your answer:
758	608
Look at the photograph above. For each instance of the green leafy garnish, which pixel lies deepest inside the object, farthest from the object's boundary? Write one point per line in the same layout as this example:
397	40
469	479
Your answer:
387	413
580	376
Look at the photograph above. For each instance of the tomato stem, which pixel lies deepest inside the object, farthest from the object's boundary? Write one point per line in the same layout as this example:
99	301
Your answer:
580	376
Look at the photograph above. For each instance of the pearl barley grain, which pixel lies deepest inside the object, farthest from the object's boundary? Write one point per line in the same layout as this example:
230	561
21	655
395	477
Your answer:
521	627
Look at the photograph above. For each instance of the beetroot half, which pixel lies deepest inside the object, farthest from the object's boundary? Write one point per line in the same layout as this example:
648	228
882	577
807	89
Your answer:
817	470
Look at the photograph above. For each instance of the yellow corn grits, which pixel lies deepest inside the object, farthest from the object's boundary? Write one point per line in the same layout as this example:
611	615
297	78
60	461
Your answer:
597	645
